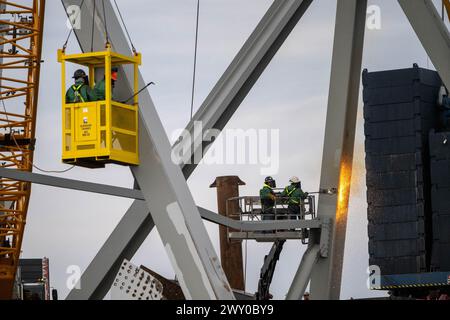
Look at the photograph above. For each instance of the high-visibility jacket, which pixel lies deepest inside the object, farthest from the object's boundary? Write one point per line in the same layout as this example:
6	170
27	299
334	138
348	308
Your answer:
100	91
295	194
79	92
267	196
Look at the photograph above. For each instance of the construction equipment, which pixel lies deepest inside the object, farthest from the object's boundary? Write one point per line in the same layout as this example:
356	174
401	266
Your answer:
330	191
268	269
249	209
33	279
99	132
20	60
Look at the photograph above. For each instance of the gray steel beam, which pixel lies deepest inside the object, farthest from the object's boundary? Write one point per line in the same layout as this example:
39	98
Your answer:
70	184
432	32
339	143
229	91
162	183
301	279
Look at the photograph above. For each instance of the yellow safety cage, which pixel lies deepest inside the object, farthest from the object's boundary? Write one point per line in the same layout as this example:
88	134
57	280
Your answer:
95	133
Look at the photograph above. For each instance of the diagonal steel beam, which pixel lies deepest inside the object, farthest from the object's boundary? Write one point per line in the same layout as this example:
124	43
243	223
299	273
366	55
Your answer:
215	112
432	33
303	275
339	143
162	183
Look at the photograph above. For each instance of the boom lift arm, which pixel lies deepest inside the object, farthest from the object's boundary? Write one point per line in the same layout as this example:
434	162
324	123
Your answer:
268	269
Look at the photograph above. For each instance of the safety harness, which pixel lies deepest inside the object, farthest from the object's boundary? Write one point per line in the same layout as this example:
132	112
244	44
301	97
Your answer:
267	186
264	201
289	195
76	90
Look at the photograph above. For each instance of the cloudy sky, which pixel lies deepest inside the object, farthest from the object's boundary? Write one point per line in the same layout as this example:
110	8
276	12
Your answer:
69	227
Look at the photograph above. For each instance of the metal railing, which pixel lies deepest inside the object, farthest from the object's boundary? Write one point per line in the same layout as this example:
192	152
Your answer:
249	208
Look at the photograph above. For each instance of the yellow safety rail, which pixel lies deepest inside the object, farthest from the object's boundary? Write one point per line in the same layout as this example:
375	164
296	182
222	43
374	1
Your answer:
100	132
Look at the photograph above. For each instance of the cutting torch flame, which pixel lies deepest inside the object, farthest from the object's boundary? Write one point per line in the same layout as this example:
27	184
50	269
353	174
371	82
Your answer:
345	179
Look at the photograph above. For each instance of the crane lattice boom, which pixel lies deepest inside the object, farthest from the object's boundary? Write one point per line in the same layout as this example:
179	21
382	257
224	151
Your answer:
21	26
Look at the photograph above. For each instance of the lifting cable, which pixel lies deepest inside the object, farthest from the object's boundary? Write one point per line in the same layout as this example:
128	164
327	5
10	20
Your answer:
195	59
93	24
71	29
105	23
125	27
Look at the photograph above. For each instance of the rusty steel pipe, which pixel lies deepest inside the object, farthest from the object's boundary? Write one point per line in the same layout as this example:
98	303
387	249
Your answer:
230	251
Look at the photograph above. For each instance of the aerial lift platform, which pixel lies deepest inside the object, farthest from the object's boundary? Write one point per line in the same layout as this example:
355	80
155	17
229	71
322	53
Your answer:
249	210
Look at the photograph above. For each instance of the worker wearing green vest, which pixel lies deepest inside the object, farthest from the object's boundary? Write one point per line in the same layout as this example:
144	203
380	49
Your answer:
268	198
294	196
80	91
100	87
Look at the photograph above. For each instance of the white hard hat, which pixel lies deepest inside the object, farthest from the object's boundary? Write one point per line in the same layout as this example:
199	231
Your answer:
294	180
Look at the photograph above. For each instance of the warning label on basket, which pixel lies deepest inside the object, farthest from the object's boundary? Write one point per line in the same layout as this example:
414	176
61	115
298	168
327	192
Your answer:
86	124
86	129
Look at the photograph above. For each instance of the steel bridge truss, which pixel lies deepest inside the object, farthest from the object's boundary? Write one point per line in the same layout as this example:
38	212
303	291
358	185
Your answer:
163	199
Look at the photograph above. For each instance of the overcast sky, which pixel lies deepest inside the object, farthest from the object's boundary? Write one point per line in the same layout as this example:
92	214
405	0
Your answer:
69	227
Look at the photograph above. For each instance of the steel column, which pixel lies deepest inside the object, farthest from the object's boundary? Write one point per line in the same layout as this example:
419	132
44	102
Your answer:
432	32
339	142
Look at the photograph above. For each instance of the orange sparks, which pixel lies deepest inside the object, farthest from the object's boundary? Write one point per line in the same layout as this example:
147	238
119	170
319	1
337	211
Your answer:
345	178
